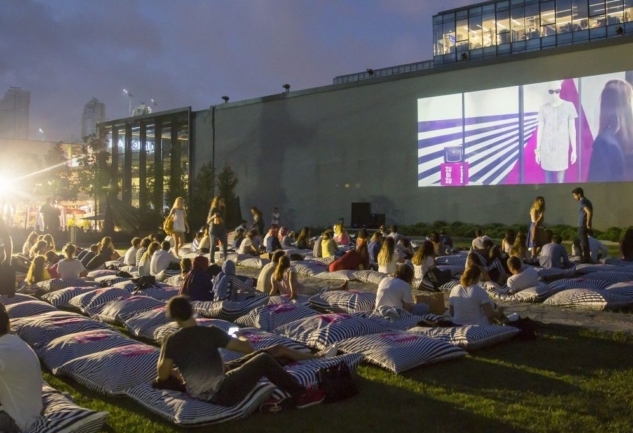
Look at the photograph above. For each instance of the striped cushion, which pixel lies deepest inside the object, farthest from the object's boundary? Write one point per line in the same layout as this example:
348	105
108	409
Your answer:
531	294
253	262
16	299
184	411
452	260
159	293
306	371
618	262
29	308
589	299
63	349
62	415
555	272
611	277
345	275
623	289
327	261
285	299
586	268
131	287
269	317
166	330
447	287
373	277
469	337
175	281
41	330
92	302
339	301
62	283
400	351
261	340
456	270
228	310
120	310
92	275
323	330
309	269
111	280
144	324
403	323
577	283
114	370
61	298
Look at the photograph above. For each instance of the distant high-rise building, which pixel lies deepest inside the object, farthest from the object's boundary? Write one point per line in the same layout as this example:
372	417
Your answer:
94	112
14	114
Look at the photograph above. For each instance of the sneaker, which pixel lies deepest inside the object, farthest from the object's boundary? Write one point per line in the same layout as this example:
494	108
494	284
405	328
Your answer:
330	352
277	404
310	398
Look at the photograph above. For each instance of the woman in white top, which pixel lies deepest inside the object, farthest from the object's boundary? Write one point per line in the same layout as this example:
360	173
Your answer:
71	267
248	244
144	265
423	261
508	241
284	281
181	226
469	304
387	258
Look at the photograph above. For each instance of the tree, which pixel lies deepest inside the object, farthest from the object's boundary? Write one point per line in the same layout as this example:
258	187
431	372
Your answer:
227	181
94	175
202	194
57	180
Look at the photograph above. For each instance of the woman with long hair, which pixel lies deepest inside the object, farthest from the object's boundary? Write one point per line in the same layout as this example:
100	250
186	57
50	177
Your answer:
353	260
50	241
328	245
197	283
40	248
536	231
473	261
70	266
612	154
248	244
258	220
387	258
341	237
395	292
31	240
216	220
519	249
626	246
423	263
144	264
37	272
469	304
106	253
284	281
508	241
361	237
181	226
303	240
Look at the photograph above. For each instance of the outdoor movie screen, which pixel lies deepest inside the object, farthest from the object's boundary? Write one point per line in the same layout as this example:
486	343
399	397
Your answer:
569	131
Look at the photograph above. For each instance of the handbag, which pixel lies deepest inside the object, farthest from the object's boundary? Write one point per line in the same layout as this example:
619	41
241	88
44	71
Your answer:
168	225
337	383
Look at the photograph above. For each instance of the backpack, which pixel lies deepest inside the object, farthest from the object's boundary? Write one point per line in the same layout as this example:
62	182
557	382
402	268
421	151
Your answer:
337	383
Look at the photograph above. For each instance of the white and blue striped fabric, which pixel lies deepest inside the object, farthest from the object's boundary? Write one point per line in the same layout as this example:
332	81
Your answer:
262	340
590	299
165	331
270	316
306	371
29	308
405	322
585	268
452	260
309	269
609	276
285	299
111	280
345	275
252	262
184	411
327	261
92	302
62	283
622	289
323	330
577	283
531	294
372	277
66	348
344	301
41	330
61	298
16	299
120	310
229	310
447	287
547	273
400	351
160	293
144	324
92	275
114	371
471	337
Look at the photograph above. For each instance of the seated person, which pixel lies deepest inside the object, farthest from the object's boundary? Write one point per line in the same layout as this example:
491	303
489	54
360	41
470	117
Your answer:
395	292
197	283
190	356
508	241
195	244
29	243
106	253
362	237
317	248
20	380
37	271
288	240
162	259
144	265
439	248
469	304
626	246
478	242
51	263
303	240
240	234
394	234
185	267
243	226
403	248
284	281
145	243
264	283
475	260
388	258
247	246
597	249
40	248
205	242
375	244
523	277
272	241
353	260
130	255
519	248
71	267
423	262
341	237
328	245
495	267
446	239
553	254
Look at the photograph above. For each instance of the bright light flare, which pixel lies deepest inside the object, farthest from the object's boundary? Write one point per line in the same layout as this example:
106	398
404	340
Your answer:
5	186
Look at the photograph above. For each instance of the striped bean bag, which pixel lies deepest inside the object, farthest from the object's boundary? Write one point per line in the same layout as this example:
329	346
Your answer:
609	276
261	340
447	287
160	293
269	317
285	299
403	323
228	310
344	301
323	330
327	261
115	370
166	330
344	275
16	299
469	337
66	348
253	262
41	330
589	299
452	260
622	289
585	268
29	308
59	283
400	351
531	294
61	298
456	270
373	277
546	273
92	302
92	275
177	408
577	283
120	310
111	280
144	324
306	372
309	269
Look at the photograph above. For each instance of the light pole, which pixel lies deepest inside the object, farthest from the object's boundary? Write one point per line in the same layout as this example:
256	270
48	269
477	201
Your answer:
42	136
154	103
129	94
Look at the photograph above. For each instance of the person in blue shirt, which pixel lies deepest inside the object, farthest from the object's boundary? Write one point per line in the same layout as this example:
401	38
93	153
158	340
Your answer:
553	254
375	244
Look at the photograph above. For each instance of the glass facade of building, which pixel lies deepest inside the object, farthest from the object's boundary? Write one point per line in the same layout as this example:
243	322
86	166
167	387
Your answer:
150	158
514	26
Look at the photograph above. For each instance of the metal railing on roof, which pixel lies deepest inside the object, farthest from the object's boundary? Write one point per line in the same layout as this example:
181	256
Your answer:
384	72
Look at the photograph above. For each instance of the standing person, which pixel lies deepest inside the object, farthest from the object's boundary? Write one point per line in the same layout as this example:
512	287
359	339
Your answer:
50	216
181	226
258	220
20	380
536	231
556	132
276	216
7	273
216	221
585	219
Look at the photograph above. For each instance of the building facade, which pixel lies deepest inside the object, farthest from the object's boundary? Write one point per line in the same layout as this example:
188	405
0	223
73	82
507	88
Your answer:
93	114
14	114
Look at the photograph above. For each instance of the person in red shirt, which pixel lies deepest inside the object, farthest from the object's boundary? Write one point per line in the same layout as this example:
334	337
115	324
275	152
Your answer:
353	260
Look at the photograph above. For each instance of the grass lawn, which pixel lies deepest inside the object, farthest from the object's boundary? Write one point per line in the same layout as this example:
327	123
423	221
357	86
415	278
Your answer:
568	380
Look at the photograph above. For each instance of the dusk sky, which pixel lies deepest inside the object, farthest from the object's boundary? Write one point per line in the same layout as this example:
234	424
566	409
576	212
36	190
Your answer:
191	52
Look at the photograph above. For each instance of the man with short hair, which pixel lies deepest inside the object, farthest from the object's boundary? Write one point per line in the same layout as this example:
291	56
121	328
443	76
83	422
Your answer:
193	350
553	254
20	380
585	220
272	241
394	234
478	242
130	255
161	259
522	277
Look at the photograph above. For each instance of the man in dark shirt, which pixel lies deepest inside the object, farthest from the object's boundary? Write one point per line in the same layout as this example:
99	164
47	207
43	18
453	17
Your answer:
585	216
194	351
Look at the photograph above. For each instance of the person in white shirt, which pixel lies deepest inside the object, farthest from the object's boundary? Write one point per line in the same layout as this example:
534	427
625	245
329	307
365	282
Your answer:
70	267
388	259
248	246
161	259
395	292
146	259
276	216
597	248
130	255
469	304
522	277
478	242
20	380
264	283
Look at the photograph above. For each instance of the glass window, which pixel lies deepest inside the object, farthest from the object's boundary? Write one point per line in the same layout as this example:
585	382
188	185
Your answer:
580	14
462	31
503	27
615	12
489	30
437	19
503	6
449	37
460	15
518	24
548	19
438	37
448	18
628	10
487	9
475	33
563	16
514	3
474	11
532	22
597	15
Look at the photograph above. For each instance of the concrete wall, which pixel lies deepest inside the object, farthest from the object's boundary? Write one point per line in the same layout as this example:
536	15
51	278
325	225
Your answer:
312	153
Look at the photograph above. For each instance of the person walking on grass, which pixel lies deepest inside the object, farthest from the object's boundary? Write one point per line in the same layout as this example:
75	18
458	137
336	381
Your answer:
585	220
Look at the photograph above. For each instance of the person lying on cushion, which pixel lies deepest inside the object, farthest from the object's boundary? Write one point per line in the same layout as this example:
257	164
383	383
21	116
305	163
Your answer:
197	284
353	260
191	357
553	254
395	292
469	304
523	277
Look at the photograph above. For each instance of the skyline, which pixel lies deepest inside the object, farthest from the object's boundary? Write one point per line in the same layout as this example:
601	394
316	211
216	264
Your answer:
193	52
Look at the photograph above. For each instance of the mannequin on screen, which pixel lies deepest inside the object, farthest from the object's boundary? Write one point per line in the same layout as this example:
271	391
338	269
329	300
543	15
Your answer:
556	133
